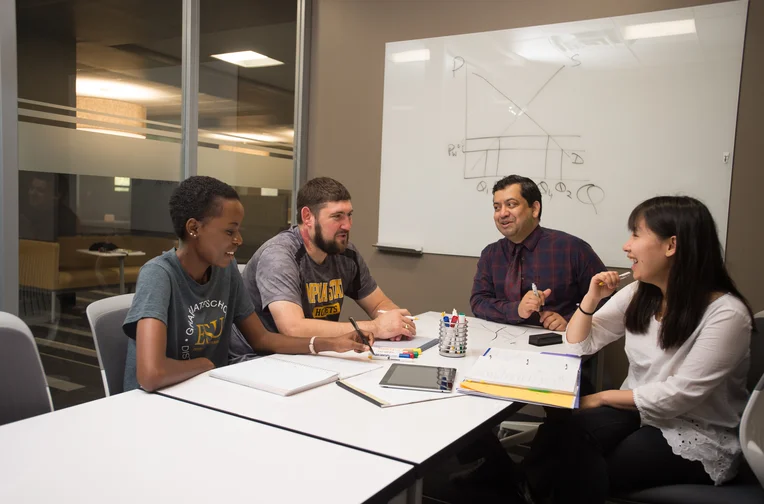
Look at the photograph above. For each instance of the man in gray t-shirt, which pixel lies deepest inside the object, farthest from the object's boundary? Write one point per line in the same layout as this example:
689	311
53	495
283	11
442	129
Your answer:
198	317
298	280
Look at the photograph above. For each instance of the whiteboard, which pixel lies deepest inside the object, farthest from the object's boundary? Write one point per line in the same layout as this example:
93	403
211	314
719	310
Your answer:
602	114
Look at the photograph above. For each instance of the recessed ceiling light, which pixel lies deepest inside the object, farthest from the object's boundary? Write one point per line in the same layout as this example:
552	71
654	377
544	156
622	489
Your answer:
664	29
248	59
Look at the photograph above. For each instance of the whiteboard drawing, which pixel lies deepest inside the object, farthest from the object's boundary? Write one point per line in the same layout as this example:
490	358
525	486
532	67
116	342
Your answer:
601	114
549	158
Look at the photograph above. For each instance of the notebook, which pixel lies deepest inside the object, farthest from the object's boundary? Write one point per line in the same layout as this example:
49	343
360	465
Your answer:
528	396
344	367
520	368
284	375
531	377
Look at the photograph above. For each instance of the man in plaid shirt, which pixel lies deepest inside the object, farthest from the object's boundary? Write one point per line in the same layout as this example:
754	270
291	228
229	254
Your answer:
559	264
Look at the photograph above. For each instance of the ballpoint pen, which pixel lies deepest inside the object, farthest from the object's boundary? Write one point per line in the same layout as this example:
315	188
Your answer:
536	291
360	335
407	316
621	277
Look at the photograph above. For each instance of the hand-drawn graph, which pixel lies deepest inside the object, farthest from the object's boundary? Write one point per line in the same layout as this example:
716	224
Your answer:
518	143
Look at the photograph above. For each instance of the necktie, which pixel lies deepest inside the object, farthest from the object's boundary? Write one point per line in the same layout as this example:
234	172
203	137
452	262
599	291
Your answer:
513	285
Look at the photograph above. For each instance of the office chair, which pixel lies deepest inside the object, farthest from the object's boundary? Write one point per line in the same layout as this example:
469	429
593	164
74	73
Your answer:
744	489
25	391
752	422
106	317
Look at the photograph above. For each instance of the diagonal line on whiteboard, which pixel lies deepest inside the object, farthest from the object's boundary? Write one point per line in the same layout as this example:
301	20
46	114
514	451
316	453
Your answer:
526	114
542	87
485	153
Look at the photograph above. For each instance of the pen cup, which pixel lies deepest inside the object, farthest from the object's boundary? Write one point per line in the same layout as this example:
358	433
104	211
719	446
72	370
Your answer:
452	338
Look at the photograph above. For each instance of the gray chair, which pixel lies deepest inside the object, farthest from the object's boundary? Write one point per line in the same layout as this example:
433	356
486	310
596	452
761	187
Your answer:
752	432
24	392
744	489
106	317
752	422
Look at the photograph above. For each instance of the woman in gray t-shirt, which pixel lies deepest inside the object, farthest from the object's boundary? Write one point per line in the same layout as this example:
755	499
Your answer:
187	299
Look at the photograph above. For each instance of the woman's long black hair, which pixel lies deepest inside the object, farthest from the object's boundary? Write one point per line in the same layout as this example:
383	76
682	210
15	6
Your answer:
698	270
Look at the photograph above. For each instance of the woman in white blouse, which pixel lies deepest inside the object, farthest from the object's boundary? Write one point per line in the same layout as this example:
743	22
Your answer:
687	330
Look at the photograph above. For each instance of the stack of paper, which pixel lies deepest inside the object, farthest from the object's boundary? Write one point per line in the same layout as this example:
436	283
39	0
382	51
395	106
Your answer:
531	377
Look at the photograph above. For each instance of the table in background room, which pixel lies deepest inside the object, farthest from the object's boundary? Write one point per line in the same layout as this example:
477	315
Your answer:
120	255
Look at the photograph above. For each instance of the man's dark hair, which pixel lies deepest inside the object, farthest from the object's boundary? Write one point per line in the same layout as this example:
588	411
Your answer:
198	198
528	189
318	192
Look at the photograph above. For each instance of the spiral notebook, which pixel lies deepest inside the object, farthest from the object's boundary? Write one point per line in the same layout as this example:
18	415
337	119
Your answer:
287	375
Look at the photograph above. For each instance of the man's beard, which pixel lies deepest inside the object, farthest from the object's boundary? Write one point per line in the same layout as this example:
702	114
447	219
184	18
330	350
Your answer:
329	247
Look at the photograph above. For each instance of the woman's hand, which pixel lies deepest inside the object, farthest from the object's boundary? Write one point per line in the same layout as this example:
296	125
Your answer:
603	285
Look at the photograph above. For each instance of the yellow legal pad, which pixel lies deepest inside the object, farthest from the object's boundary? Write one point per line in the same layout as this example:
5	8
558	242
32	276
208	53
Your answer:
525	395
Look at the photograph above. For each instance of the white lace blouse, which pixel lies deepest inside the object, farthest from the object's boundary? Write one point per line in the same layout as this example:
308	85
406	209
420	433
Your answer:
694	394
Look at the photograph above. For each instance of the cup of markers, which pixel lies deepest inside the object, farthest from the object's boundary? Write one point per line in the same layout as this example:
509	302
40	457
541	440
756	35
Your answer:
452	335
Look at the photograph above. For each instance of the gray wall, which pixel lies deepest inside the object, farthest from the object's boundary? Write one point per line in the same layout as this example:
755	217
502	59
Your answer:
345	126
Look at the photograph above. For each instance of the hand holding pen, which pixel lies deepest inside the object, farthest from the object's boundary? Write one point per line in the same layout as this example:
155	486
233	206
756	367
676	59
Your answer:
533	301
367	339
604	284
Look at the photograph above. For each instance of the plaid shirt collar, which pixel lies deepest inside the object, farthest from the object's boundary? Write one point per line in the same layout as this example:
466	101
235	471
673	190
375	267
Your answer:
530	241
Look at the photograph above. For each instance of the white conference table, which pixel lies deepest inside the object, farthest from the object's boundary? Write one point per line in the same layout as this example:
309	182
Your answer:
139	447
421	433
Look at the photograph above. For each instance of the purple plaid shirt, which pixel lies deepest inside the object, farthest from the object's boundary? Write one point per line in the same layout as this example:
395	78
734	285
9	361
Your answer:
552	259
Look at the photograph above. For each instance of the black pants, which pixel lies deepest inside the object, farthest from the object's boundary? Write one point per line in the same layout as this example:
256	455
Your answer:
586	455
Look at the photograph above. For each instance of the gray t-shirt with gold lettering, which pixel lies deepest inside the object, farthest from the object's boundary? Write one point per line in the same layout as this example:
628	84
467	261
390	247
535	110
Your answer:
282	270
199	317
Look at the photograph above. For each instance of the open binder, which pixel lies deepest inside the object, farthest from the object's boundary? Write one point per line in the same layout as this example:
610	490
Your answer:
544	378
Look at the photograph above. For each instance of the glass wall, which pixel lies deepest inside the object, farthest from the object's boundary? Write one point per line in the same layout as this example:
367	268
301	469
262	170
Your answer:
99	147
246	109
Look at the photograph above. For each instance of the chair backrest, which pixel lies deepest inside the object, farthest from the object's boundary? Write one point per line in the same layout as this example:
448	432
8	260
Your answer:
241	267
757	351
106	317
752	431
24	391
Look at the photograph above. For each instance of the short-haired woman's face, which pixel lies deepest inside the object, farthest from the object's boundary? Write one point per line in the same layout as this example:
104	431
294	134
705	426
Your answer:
218	236
650	254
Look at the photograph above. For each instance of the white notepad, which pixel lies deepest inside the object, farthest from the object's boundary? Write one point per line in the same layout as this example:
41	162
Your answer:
345	368
289	374
274	375
534	370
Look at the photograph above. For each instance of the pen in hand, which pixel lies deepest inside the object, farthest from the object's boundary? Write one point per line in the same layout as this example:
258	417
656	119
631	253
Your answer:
536	292
621	277
360	335
407	316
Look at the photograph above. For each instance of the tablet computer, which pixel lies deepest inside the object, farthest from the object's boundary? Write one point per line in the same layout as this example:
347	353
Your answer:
415	377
